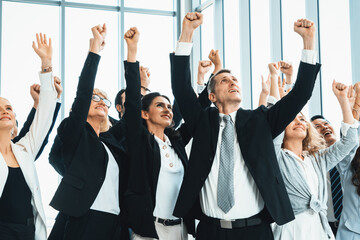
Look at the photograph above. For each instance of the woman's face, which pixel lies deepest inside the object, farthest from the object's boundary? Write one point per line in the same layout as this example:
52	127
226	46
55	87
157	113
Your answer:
7	115
297	129
98	109
159	113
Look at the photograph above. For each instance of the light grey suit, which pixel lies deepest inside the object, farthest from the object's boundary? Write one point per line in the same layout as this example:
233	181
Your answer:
349	226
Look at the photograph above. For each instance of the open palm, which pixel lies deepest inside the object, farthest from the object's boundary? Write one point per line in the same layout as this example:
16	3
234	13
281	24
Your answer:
43	48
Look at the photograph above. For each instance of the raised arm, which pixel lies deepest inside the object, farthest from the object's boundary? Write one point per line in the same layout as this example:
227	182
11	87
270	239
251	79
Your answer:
144	80
349	137
41	123
285	110
180	72
76	122
265	90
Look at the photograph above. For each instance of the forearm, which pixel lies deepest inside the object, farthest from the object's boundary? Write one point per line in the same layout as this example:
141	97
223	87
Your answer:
274	90
262	99
346	111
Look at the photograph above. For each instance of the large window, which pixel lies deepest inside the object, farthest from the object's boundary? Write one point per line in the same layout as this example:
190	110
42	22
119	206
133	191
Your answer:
260	45
335	54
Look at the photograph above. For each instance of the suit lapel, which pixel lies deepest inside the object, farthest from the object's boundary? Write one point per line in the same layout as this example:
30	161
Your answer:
214	128
156	162
180	151
4	171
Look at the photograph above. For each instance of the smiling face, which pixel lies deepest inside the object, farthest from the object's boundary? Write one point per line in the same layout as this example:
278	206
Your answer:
159	113
7	115
326	130
226	89
98	109
297	129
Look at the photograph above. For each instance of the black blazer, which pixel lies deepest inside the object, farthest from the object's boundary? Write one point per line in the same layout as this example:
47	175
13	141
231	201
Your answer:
145	160
27	124
255	131
84	156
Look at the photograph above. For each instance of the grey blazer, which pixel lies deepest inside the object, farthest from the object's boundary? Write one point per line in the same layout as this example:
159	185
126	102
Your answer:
349	226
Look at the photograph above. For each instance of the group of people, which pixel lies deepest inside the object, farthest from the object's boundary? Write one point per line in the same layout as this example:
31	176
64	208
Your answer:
250	174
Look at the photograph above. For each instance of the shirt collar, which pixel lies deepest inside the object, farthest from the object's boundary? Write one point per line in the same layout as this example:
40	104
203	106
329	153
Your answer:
166	142
232	115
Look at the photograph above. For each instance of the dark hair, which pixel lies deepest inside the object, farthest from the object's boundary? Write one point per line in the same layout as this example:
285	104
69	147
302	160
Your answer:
211	84
313	118
146	101
118	100
355	165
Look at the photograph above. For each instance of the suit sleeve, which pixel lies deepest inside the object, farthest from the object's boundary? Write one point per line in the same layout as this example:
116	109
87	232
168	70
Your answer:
46	140
285	110
26	126
184	94
73	127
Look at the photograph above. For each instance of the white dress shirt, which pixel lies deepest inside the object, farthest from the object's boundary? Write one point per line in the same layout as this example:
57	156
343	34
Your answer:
247	198
169	182
107	199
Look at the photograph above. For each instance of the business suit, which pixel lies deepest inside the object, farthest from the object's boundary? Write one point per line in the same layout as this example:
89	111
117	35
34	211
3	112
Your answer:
145	164
255	131
84	157
349	226
26	149
25	129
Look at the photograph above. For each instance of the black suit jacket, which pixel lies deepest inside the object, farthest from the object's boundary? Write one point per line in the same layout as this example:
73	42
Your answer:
27	124
255	131
85	158
145	160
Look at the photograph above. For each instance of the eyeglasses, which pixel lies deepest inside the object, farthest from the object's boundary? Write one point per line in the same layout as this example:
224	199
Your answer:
97	98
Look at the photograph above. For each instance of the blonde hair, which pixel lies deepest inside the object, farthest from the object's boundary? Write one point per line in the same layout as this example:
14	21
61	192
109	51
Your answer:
105	125
313	142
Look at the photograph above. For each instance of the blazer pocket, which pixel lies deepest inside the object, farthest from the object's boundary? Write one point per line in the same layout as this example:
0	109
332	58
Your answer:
73	181
353	224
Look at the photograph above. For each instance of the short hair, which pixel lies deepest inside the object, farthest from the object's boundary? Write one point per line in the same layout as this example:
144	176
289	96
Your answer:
211	84
313	118
118	99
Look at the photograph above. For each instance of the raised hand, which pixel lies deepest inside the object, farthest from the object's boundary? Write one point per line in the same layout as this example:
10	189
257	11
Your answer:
35	93
265	85
306	29
144	76
287	69
273	68
97	43
43	50
132	38
203	67
214	57
340	90
281	86
58	86
191	21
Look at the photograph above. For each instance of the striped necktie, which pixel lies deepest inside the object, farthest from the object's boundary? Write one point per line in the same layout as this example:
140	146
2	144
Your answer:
336	192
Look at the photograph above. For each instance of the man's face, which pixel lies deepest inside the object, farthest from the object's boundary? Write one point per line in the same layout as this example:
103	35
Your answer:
326	130
121	108
227	89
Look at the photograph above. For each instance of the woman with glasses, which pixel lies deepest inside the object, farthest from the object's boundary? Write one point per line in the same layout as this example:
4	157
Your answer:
91	188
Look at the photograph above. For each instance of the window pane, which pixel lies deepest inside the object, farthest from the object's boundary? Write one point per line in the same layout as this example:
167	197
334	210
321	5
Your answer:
166	5
232	36
98	2
292	42
20	69
154	49
260	45
207	35
77	37
335	54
